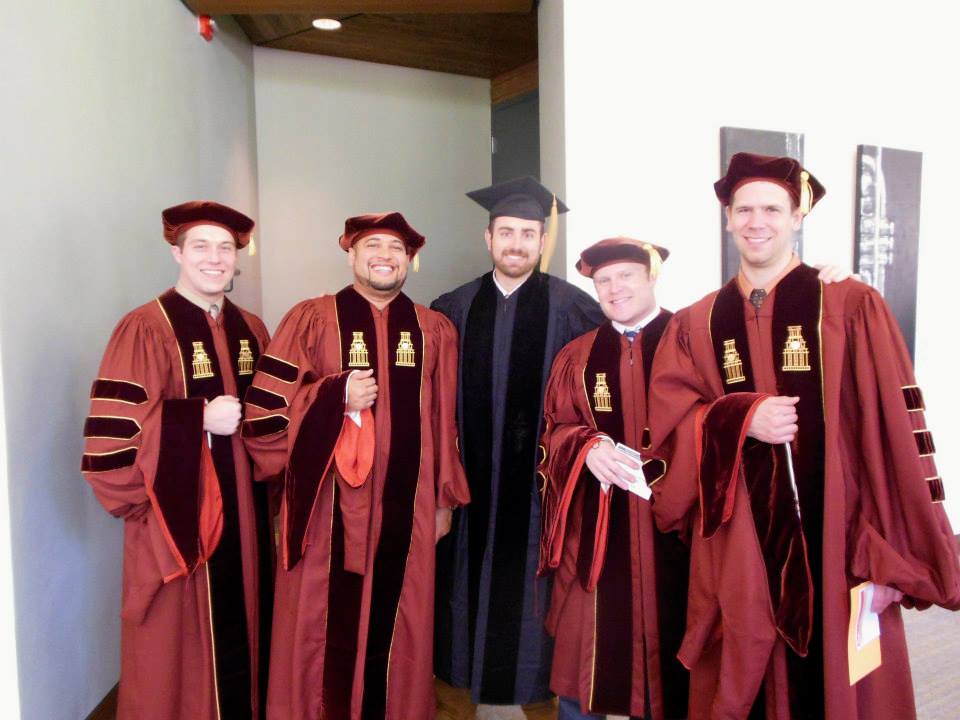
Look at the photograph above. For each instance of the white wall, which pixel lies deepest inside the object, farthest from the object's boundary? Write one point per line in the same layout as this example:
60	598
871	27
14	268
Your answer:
111	112
9	686
646	91
338	138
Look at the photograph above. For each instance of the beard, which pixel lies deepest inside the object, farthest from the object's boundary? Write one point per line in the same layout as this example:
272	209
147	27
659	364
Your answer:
382	285
519	267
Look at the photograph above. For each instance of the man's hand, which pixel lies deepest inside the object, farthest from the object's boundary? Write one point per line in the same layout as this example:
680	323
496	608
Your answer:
775	420
221	416
606	464
444	518
831	274
883	596
361	391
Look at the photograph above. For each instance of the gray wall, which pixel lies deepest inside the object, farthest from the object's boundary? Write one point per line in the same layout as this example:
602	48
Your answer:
341	137
111	111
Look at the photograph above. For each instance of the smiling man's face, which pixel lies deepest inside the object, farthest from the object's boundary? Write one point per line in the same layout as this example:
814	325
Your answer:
625	291
207	255
762	219
379	263
515	245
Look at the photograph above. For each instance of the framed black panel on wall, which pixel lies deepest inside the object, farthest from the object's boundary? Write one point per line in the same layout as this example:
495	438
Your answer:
762	142
886	248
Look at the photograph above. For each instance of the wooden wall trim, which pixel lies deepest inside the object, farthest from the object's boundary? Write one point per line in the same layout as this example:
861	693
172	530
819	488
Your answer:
514	83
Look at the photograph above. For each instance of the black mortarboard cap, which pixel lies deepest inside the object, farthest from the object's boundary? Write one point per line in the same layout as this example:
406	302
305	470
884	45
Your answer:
520	198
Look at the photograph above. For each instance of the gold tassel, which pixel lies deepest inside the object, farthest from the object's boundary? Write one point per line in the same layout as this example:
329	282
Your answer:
416	262
656	262
553	228
252	246
806	193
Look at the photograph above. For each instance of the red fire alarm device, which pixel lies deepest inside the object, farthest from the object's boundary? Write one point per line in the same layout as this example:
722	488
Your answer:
206	27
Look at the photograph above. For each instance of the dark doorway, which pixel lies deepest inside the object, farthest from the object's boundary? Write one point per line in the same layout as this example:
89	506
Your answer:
515	146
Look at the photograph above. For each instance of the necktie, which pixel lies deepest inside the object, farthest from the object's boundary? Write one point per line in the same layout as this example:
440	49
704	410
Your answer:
629	335
214	311
757	297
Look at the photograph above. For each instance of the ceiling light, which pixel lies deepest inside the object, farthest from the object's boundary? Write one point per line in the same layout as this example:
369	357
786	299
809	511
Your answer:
327	24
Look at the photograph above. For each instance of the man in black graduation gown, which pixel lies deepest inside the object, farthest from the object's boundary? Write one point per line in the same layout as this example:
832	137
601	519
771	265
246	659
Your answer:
490	607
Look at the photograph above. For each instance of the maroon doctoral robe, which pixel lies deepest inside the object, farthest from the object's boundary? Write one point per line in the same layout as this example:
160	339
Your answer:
353	621
194	556
763	589
620	586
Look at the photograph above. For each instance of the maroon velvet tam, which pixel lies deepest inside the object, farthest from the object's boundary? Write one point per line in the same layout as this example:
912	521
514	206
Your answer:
784	171
618	249
392	223
180	218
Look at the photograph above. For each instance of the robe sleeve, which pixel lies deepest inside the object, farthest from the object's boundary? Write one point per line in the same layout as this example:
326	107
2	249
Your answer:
678	397
143	447
900	534
288	383
295	429
583	315
566	440
452	490
122	430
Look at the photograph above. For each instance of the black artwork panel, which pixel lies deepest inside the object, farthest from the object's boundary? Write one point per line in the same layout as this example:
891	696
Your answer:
885	250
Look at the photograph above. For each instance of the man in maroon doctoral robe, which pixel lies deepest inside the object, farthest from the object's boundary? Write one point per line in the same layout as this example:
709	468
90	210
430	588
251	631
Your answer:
352	412
809	469
619	592
163	453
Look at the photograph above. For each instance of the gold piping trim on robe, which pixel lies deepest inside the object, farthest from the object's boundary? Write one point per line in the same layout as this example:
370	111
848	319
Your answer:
651	483
593	658
183	368
213	642
252	424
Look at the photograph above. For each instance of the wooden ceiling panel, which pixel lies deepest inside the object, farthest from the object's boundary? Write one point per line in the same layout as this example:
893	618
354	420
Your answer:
324	8
476	45
480	38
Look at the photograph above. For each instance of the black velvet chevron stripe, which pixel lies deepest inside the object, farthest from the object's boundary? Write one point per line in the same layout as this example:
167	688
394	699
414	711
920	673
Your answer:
925	444
913	397
937	493
120	390
109	461
280	369
264	426
264	398
117	428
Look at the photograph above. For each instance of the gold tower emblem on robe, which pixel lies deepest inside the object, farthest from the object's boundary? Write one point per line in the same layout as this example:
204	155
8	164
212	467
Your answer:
406	353
732	365
202	367
601	394
358	356
796	355
245	359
